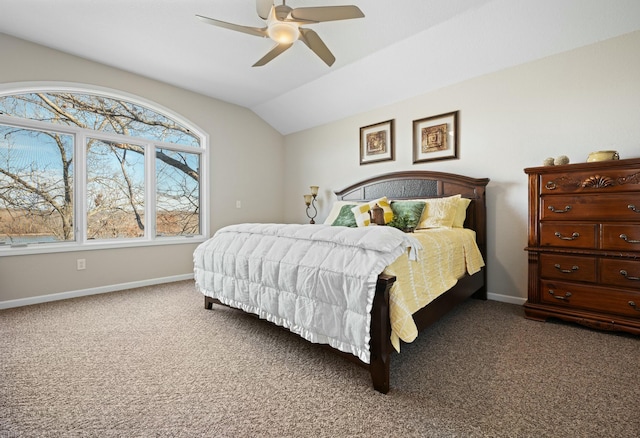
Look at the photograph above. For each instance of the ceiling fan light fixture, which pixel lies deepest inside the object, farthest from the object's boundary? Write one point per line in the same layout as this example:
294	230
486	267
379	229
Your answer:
283	33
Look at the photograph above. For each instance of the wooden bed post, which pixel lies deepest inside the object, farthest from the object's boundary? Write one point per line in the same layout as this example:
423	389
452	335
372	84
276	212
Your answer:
208	302
381	335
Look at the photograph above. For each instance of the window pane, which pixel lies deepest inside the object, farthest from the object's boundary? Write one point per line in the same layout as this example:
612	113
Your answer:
36	186
115	190
177	193
99	113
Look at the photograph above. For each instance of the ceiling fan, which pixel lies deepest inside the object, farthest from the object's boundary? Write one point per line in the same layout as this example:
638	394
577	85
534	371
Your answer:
283	25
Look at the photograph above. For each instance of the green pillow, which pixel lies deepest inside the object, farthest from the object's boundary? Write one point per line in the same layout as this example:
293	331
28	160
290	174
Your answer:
406	214
346	217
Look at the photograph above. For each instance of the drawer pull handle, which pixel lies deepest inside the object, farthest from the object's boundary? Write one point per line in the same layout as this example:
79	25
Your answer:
633	304
633	208
550	185
626	239
574	236
627	276
565	210
566	271
566	295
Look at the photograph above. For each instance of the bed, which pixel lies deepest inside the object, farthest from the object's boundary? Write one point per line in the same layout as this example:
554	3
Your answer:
397	186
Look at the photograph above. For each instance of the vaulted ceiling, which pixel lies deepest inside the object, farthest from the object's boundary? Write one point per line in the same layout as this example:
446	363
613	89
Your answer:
398	50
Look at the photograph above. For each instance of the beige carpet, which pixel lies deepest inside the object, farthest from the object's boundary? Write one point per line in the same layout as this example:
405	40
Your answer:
152	362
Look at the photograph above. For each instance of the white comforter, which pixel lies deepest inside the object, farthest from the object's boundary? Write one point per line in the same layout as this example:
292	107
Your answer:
316	280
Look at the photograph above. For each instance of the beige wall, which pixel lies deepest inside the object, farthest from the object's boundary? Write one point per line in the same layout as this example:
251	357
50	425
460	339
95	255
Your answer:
239	171
569	104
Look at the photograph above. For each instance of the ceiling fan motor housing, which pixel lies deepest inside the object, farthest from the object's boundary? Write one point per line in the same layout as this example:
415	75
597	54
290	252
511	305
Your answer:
282	12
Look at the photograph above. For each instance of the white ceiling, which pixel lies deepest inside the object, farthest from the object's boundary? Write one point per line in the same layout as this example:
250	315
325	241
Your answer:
400	49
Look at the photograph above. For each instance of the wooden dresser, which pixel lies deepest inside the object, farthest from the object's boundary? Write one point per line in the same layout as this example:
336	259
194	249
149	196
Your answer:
584	244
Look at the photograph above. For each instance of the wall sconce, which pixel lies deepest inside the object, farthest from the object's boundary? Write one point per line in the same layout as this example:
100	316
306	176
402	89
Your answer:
310	201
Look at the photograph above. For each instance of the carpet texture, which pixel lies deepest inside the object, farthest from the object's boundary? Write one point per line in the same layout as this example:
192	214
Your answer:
152	362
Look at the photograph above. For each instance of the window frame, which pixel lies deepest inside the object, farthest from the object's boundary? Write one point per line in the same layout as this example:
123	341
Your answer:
80	136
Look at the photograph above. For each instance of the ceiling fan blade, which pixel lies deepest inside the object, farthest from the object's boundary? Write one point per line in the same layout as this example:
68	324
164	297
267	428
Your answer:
326	13
264	7
261	32
313	41
277	50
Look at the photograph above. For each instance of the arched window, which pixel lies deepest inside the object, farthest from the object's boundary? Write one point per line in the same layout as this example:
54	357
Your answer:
80	167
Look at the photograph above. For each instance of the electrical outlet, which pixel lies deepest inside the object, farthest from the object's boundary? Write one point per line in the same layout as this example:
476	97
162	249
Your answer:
81	264
238	204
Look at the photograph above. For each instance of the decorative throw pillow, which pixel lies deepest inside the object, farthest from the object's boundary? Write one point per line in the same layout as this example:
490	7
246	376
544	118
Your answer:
335	210
406	214
461	212
361	215
439	212
345	217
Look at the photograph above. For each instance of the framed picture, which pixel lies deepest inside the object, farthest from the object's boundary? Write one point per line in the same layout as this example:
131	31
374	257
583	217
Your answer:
435	138
376	142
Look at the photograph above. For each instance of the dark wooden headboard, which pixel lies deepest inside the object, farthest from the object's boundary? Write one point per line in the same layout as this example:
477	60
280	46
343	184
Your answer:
426	184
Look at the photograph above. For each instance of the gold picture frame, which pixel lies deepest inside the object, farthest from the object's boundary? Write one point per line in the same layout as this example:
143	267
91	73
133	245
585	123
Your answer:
377	142
435	138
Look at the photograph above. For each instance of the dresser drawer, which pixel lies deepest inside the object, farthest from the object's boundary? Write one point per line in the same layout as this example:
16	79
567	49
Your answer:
568	235
595	298
615	207
618	272
569	268
621	237
590	181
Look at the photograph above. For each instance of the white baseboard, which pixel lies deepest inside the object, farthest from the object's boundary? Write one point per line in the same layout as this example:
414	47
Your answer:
506	299
123	286
93	291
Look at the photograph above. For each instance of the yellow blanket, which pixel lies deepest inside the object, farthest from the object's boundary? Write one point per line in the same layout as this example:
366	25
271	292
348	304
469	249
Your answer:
446	256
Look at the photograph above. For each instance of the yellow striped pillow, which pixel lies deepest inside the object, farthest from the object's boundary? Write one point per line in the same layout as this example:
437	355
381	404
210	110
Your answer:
361	213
